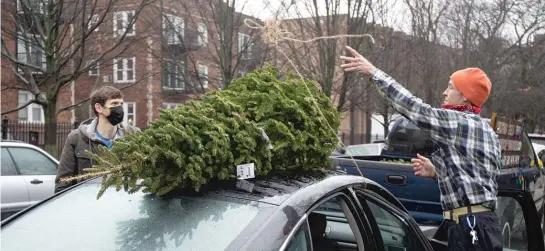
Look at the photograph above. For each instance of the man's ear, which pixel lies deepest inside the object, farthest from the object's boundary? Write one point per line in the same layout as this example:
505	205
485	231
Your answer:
98	108
466	101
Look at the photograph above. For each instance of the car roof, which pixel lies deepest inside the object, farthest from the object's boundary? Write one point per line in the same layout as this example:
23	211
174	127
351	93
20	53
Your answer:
16	143
7	142
272	190
536	136
299	193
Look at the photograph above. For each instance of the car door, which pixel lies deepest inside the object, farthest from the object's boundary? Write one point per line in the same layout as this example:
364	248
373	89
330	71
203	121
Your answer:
534	180
522	230
38	170
331	224
395	229
13	188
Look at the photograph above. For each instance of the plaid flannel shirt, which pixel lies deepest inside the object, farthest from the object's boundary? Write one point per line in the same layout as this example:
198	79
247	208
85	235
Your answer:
469	155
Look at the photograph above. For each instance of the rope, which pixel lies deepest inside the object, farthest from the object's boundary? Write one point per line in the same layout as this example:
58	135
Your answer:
273	34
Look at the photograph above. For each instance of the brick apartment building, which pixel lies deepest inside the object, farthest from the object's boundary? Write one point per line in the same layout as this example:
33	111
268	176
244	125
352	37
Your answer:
180	52
182	49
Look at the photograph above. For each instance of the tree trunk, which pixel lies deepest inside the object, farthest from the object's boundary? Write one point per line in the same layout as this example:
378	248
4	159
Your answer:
386	125
368	114
50	128
352	125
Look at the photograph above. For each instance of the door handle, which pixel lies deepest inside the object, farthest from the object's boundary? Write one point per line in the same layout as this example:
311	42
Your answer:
36	181
396	180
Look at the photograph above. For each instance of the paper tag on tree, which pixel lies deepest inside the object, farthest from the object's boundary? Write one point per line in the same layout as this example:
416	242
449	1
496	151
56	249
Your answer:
246	171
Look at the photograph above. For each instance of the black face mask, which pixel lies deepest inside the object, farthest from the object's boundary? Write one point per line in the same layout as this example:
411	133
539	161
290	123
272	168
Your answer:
116	115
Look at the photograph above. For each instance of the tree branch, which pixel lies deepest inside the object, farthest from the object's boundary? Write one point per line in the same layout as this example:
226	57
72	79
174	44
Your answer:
13	88
20	107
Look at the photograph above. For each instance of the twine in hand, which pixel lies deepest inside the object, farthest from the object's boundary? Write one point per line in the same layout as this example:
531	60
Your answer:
272	33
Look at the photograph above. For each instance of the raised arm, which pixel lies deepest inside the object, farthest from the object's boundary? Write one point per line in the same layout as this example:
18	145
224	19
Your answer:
441	124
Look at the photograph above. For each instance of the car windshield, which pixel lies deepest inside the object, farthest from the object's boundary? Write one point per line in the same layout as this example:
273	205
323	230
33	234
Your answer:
119	221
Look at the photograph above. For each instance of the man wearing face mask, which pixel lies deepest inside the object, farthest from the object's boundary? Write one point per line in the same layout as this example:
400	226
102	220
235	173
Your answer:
107	103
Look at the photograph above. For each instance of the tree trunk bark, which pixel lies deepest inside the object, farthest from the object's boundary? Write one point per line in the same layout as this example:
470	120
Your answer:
368	114
50	127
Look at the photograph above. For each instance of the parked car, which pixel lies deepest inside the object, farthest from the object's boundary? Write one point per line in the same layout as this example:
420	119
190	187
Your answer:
336	211
392	169
540	151
28	176
537	138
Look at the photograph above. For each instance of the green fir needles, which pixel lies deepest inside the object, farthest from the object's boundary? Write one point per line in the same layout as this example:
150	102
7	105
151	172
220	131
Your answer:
261	118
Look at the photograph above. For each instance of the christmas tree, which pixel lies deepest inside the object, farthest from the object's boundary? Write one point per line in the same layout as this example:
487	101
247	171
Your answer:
282	124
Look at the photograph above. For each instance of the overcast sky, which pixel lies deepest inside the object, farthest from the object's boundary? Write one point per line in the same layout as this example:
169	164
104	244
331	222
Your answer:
276	9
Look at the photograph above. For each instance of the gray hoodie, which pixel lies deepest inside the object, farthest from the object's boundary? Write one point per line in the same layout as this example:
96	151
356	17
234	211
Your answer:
74	158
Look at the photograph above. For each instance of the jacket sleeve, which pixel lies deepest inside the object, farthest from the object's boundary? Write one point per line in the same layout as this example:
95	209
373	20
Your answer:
68	163
440	123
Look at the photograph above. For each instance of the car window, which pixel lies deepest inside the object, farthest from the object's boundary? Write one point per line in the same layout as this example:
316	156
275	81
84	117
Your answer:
8	168
406	138
528	158
396	234
329	227
32	162
122	221
301	239
512	223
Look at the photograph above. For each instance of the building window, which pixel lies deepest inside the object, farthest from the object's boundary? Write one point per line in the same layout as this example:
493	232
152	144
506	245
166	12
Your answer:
121	23
170	105
173	77
203	34
220	79
93	20
221	38
30	6
130	113
93	67
30	51
203	75
31	113
173	28
244	45
124	70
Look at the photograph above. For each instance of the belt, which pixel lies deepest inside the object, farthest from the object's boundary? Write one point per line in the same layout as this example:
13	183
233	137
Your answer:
455	213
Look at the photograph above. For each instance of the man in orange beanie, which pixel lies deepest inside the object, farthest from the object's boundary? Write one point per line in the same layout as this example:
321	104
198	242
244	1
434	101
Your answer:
468	158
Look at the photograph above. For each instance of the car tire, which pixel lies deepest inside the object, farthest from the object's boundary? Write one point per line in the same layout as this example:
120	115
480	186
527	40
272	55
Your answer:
506	233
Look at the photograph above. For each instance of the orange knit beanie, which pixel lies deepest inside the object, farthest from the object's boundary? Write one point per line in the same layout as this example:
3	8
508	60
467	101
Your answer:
473	84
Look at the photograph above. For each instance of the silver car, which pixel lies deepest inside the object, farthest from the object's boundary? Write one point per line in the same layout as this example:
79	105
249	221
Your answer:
28	176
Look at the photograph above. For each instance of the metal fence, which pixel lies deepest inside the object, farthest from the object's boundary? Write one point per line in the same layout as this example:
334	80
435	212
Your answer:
34	132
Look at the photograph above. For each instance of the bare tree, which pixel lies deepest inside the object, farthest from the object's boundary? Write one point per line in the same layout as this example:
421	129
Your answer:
426	16
206	46
57	42
318	60
392	54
